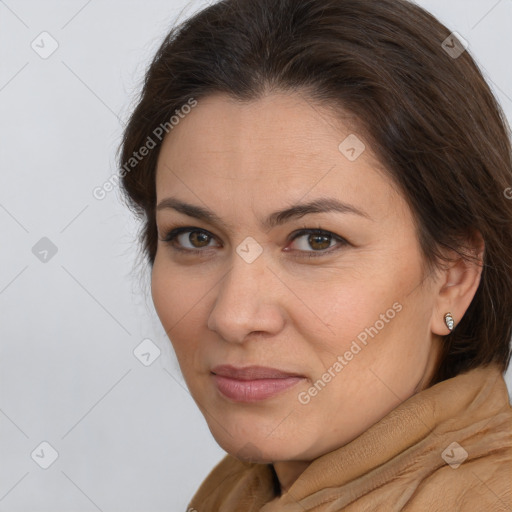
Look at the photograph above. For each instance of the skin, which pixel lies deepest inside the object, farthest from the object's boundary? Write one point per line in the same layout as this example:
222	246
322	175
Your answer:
284	310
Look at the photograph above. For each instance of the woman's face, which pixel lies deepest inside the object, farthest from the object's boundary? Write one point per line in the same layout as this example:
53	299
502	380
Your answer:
346	309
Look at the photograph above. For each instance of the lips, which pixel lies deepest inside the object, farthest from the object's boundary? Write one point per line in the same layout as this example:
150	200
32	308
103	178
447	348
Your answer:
252	372
253	383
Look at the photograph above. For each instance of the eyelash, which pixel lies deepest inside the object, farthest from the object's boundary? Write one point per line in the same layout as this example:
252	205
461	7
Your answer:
171	235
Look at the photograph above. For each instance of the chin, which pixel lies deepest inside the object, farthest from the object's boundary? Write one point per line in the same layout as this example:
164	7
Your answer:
263	452
251	453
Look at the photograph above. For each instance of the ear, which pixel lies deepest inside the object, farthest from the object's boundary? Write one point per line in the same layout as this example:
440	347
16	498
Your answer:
457	284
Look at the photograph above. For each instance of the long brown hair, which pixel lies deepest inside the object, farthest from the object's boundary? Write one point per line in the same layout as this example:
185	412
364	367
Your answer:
421	103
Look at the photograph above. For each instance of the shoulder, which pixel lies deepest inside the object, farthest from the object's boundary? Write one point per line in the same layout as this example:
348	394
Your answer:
480	475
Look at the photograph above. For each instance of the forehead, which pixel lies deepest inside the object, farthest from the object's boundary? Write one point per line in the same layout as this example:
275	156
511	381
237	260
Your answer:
280	146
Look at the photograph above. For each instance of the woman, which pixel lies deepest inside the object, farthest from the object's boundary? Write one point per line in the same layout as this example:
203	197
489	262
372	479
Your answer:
323	190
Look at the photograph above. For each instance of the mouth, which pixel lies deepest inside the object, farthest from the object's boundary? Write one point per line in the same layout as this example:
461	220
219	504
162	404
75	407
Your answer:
252	383
252	372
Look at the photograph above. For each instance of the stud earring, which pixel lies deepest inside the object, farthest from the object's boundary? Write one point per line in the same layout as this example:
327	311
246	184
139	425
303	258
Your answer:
448	320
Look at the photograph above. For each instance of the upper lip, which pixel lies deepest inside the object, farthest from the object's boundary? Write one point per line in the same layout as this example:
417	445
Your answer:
252	372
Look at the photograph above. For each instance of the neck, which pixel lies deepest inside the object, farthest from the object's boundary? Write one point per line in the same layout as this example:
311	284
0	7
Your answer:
288	471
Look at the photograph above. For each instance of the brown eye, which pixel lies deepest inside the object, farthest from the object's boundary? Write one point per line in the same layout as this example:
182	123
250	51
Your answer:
316	242
319	242
198	238
189	239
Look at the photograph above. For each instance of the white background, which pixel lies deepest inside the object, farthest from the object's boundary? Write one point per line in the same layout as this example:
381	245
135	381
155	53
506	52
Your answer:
129	437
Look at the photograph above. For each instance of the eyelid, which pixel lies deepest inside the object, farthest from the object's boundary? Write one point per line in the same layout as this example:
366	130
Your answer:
341	242
172	233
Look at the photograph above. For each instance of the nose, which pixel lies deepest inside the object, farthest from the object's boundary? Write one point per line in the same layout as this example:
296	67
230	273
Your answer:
247	302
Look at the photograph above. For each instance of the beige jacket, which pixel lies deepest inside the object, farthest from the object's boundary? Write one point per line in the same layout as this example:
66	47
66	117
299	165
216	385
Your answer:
447	448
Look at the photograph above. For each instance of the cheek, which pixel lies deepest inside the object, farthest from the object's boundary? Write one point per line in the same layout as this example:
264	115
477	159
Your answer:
342	303
176	303
364	315
164	294
175	291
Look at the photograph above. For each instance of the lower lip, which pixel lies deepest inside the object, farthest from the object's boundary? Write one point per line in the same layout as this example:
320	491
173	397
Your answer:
253	390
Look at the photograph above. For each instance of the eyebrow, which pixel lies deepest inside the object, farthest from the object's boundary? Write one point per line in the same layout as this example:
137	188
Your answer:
320	205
